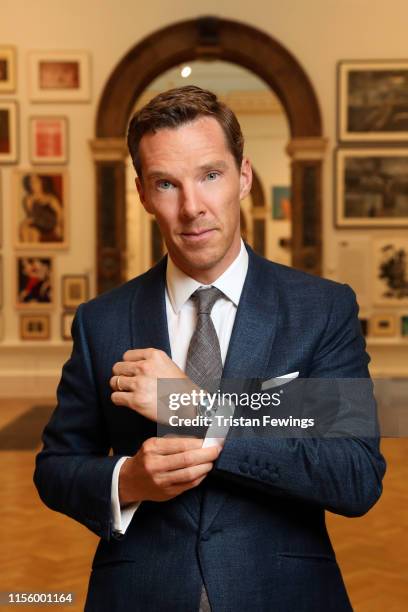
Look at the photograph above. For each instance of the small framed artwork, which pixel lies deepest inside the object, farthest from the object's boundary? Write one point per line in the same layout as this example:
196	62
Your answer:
66	324
281	208
390	262
40	208
35	327
372	188
8	132
59	76
48	138
7	69
373	101
34	282
75	290
383	325
404	326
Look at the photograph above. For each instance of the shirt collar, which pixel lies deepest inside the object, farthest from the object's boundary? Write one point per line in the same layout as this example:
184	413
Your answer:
180	286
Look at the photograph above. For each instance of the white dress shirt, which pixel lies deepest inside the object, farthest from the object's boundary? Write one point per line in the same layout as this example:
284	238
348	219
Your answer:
181	320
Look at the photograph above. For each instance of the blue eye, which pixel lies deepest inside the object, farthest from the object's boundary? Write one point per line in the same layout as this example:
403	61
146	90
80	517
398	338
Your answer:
164	185
211	176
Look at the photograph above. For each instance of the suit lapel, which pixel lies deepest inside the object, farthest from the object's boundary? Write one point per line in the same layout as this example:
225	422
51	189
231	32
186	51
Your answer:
148	313
250	349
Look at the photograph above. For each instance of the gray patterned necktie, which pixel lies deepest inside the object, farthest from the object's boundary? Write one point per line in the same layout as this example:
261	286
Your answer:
204	363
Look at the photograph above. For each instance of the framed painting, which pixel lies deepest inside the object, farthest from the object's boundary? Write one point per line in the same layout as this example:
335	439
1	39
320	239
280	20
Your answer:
7	69
34	282
281	208
35	327
75	290
373	101
383	325
59	76
391	271
371	187
48	138
66	324
8	132
40	208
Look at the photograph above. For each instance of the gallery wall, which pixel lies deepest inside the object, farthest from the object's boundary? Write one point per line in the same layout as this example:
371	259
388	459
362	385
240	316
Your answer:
319	33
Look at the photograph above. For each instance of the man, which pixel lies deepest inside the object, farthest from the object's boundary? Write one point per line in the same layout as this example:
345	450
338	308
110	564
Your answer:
184	525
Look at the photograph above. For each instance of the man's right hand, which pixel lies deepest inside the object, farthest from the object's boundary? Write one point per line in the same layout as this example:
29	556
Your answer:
163	468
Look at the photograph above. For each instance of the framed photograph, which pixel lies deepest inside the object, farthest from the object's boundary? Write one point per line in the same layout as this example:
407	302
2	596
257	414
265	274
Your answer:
372	188
34	282
404	326
35	327
7	69
75	290
281	208
66	324
59	76
391	271
40	208
8	132
48	138
383	325
373	101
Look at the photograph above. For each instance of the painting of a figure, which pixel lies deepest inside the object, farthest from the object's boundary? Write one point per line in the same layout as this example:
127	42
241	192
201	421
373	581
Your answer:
34	281
41	204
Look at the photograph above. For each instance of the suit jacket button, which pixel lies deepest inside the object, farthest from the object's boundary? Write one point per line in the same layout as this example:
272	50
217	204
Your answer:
244	467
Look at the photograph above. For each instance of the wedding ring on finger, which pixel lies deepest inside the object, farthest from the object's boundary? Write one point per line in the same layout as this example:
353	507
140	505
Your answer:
118	387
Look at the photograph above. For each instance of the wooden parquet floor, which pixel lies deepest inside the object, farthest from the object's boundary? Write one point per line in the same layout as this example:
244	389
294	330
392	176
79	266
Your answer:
45	551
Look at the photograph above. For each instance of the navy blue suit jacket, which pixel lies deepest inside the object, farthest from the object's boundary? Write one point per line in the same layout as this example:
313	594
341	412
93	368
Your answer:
254	530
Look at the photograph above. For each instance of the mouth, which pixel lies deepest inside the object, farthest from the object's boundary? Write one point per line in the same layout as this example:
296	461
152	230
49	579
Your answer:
197	235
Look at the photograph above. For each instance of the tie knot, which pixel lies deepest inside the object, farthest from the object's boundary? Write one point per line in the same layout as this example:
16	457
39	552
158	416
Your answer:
206	298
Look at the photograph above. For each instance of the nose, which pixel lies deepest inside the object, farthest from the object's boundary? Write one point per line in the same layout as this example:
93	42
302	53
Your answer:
191	204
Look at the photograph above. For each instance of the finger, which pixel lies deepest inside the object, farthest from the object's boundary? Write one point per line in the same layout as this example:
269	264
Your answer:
121	398
187	459
137	354
187	474
122	383
126	368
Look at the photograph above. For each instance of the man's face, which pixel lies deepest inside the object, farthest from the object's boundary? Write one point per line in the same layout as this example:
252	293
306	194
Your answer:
191	184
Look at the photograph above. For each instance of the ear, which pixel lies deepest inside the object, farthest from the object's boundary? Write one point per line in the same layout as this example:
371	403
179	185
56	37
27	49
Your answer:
142	195
245	179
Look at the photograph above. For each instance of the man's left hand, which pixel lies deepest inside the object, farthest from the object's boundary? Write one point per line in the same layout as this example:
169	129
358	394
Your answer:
138	374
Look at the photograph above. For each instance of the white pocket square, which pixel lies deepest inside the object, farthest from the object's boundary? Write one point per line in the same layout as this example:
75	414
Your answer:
278	381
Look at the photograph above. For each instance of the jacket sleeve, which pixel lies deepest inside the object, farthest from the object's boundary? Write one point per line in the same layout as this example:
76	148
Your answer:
73	471
343	474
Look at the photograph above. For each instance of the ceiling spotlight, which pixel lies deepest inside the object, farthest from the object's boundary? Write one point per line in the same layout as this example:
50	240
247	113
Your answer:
185	72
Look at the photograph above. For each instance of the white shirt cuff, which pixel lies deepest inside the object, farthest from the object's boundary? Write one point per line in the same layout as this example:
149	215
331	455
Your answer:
121	517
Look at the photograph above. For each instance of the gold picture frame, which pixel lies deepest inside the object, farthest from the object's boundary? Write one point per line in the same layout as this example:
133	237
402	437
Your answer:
35	327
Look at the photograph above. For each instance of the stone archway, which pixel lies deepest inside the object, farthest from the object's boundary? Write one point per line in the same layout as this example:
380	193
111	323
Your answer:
203	38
